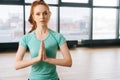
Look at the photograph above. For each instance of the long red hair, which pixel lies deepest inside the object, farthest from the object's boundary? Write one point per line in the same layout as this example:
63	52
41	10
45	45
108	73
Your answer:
34	4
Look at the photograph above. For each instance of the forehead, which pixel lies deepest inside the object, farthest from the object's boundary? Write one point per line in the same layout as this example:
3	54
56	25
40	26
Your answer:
40	8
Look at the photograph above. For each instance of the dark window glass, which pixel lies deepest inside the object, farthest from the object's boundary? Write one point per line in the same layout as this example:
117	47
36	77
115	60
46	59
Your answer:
11	1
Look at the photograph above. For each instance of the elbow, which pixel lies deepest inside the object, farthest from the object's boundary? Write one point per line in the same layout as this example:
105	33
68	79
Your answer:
69	63
16	66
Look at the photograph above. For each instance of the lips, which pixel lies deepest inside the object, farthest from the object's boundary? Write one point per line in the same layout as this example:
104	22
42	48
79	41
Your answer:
42	21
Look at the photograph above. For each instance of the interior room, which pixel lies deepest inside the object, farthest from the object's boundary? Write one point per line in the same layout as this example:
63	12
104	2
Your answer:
90	28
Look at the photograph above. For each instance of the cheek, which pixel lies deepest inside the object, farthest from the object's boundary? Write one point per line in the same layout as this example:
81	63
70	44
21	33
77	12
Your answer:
36	18
48	18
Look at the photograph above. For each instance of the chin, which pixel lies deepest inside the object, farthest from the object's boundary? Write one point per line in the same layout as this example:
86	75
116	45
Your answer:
43	24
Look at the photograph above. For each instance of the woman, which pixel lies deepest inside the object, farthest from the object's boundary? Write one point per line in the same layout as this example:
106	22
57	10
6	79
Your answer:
42	43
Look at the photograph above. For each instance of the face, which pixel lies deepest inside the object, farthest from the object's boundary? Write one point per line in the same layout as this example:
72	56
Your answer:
41	15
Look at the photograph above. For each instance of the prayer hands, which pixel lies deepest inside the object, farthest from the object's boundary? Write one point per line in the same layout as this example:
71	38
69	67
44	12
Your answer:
42	53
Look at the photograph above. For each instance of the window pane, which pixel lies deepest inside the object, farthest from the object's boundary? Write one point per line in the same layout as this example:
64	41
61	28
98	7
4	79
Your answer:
53	19
76	1
75	23
47	1
104	23
105	2
11	23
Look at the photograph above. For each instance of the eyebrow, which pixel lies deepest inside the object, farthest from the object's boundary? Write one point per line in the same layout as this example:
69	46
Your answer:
42	12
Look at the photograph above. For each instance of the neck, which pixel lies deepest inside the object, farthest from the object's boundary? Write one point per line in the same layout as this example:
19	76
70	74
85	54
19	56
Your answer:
41	32
42	29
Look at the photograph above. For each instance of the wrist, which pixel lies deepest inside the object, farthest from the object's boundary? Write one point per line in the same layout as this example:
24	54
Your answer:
38	59
46	60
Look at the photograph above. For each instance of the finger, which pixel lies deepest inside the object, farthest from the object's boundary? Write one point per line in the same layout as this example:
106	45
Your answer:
44	57
41	48
42	44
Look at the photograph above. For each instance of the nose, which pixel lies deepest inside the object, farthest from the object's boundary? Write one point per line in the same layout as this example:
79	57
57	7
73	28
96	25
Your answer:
42	16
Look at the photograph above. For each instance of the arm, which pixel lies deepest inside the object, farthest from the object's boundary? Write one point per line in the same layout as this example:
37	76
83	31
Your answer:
66	61
20	63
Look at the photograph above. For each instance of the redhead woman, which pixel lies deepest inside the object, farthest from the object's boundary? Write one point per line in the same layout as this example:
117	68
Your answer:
42	43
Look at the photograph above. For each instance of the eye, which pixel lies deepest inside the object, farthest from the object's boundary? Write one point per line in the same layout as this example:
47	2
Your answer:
37	14
45	13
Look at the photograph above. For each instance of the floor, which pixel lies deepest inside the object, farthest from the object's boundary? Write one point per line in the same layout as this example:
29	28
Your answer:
102	63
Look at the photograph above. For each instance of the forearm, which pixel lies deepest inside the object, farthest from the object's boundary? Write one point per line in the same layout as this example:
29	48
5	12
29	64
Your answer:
60	62
25	63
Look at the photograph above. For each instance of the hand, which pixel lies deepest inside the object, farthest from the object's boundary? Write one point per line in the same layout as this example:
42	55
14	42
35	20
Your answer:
41	51
44	57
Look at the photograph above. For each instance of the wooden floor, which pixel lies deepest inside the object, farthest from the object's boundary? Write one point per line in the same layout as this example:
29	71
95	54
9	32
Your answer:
88	64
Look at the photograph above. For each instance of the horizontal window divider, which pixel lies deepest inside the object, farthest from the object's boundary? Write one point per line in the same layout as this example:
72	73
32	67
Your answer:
105	6
11	3
75	4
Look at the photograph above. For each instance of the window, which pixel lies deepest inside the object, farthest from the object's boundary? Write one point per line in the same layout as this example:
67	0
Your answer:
75	1
75	23
105	2
11	23
104	23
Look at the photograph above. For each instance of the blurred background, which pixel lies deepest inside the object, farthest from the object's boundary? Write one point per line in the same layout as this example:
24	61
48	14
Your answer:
92	30
82	22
